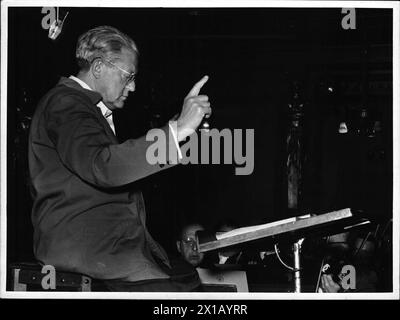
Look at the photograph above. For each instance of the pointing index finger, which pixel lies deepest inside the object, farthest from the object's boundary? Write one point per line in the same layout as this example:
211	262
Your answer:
197	87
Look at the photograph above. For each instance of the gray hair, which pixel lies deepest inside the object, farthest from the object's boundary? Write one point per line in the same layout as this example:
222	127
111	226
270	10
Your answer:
103	41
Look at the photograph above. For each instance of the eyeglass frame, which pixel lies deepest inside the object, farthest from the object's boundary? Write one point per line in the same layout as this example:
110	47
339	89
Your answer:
192	242
131	75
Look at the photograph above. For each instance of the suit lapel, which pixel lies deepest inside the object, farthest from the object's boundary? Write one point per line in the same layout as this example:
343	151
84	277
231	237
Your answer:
105	124
94	97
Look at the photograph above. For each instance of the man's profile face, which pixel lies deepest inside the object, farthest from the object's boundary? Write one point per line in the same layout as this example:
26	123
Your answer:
187	246
113	84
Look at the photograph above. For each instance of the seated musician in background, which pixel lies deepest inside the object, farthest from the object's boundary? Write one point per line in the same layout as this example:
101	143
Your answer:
358	251
187	244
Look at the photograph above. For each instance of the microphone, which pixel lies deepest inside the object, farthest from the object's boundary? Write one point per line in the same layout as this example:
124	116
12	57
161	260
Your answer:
56	26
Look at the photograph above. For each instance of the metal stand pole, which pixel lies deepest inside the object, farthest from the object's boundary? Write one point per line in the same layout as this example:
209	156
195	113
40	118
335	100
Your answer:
296	256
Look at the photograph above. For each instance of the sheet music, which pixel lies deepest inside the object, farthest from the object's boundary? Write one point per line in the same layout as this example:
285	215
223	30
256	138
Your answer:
258	227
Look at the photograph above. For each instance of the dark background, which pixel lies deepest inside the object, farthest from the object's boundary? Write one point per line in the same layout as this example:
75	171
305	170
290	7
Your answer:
253	58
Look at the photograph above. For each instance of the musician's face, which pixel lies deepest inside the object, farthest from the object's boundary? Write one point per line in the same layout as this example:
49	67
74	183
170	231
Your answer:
187	246
114	82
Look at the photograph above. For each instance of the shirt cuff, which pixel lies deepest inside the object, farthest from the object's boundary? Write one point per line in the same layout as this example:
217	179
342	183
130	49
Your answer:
174	129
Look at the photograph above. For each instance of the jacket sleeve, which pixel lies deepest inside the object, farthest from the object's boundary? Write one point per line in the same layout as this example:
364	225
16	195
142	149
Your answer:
86	150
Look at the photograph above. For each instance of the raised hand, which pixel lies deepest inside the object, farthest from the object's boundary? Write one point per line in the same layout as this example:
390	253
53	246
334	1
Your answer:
195	107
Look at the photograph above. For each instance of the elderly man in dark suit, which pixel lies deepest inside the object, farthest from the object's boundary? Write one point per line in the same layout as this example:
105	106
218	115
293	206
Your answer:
86	218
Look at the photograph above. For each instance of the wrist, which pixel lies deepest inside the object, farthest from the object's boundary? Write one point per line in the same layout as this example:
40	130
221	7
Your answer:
183	132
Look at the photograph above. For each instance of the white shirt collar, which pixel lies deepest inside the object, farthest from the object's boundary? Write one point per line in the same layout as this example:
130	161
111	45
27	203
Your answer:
104	110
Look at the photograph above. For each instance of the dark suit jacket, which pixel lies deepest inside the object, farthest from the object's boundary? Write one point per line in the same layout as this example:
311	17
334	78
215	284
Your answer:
85	217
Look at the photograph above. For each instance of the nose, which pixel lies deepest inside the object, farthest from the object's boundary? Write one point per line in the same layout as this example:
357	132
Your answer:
131	86
194	247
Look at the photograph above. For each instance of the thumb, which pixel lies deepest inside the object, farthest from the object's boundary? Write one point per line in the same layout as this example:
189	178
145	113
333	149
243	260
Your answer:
197	87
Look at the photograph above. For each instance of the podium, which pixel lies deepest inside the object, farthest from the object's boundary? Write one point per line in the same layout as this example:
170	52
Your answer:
294	229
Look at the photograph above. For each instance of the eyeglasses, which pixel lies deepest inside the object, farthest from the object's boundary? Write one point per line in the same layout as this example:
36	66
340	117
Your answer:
130	75
190	242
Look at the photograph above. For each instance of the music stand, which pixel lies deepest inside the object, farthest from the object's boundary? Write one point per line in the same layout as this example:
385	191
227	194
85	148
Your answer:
295	230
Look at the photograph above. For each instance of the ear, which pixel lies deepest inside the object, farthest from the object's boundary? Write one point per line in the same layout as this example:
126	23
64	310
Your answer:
178	246
97	68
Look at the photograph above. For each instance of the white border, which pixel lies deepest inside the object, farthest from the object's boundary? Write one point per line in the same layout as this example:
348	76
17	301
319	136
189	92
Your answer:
396	140
202	3
3	157
205	3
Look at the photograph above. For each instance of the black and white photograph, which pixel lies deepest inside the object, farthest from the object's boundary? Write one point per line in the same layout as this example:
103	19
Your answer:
197	150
